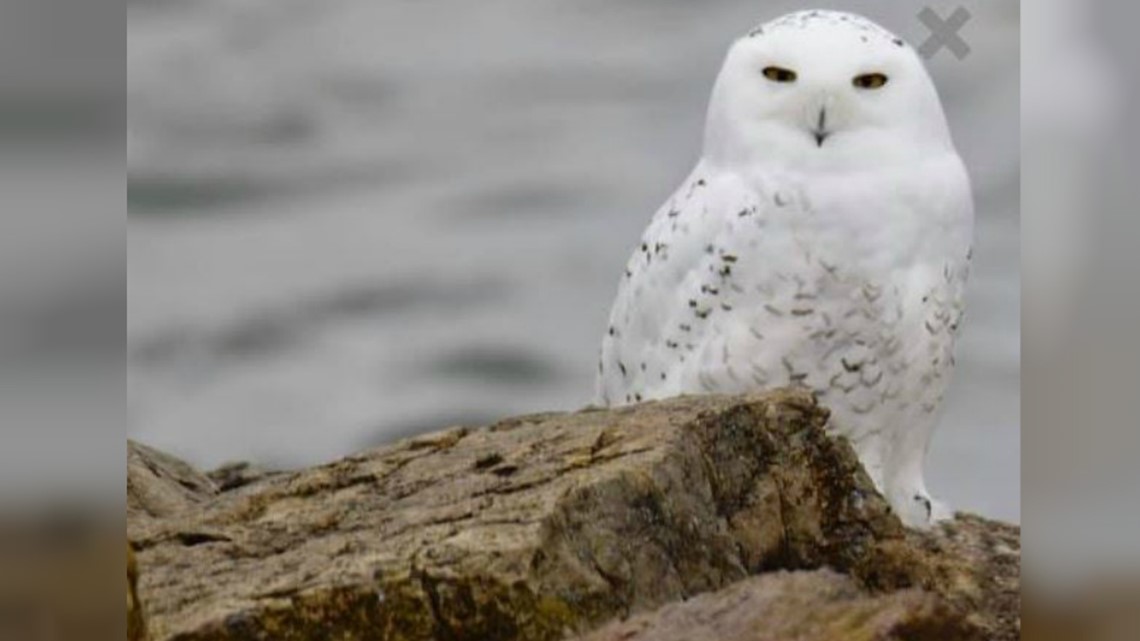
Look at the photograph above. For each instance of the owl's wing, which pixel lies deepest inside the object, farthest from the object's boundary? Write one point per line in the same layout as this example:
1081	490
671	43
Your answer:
689	248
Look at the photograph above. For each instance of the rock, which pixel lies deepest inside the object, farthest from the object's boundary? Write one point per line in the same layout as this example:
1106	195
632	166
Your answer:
136	619
542	526
966	578
806	606
231	476
974	564
160	485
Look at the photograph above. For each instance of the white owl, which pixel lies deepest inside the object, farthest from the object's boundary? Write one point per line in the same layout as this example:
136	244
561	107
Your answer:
822	240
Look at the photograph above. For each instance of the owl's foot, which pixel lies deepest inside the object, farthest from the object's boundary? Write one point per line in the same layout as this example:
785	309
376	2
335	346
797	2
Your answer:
915	507
923	510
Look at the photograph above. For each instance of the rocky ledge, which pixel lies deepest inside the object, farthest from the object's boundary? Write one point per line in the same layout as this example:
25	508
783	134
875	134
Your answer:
727	518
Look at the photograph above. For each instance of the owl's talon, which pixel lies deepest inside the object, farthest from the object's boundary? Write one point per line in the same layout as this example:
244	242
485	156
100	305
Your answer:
926	504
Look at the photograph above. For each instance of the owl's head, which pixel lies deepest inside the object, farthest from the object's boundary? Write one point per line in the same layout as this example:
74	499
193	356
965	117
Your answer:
826	90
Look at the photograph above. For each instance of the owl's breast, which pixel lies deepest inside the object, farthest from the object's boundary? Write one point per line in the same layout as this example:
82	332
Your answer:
882	220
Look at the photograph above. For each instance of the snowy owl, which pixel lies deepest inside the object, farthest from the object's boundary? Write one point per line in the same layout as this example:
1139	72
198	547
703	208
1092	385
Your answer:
822	240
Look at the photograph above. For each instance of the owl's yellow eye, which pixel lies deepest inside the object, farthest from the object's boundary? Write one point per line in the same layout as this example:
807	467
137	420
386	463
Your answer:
869	81
779	74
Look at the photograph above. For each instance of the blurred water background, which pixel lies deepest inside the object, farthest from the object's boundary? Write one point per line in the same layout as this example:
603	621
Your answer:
351	221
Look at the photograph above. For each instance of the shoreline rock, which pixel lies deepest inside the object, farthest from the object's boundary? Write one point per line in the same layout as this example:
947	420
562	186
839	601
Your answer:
552	525
819	605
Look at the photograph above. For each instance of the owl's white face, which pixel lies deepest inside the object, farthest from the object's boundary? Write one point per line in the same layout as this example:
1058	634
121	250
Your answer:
824	90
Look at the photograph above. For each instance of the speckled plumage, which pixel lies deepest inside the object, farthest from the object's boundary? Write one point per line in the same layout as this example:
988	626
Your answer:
822	240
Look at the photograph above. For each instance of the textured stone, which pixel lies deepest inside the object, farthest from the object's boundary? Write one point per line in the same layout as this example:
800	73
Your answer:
805	606
136	619
160	485
542	526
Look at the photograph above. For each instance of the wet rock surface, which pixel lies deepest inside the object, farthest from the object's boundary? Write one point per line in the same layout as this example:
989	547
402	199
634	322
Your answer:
553	525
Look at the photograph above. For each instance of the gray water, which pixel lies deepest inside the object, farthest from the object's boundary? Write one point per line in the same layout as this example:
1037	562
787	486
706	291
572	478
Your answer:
352	221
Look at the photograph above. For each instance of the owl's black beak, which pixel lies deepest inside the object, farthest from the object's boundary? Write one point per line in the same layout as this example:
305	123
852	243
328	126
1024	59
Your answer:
820	132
